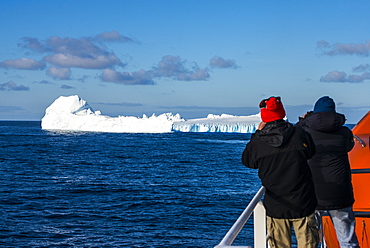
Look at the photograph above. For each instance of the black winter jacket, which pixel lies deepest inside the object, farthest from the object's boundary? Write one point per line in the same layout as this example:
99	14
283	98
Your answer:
330	165
280	151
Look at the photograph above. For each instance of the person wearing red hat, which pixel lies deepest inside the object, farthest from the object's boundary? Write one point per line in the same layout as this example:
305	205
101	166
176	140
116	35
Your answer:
280	150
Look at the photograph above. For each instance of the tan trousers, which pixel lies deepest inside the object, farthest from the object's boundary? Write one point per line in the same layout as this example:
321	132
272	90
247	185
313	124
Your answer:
280	232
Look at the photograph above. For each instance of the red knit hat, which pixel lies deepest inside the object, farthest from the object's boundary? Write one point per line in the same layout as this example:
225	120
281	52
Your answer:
272	109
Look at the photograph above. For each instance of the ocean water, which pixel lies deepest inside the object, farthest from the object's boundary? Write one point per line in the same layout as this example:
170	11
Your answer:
81	189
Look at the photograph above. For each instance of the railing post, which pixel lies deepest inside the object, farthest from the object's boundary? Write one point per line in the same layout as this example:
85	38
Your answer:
259	220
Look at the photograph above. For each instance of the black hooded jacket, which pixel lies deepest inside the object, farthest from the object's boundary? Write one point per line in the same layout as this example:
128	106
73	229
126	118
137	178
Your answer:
280	152
330	165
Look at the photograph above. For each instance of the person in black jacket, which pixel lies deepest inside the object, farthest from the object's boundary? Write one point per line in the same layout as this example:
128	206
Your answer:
330	167
280	152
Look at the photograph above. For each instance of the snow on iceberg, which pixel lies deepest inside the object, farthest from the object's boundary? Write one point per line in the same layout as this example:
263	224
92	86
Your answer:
75	114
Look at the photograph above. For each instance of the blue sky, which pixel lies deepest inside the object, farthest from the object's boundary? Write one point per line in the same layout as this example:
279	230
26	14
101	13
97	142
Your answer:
188	57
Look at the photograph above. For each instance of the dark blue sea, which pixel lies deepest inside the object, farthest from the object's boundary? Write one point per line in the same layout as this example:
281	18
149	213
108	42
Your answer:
85	189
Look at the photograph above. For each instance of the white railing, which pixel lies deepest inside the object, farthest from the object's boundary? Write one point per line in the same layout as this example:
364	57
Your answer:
260	233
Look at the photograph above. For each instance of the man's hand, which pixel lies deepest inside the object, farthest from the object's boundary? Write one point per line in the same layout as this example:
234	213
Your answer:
261	125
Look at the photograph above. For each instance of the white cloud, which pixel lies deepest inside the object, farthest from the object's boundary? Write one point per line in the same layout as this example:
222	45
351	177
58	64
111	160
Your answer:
113	36
33	44
91	62
71	52
198	74
359	49
12	86
59	73
218	62
362	68
67	87
141	77
342	77
23	64
175	68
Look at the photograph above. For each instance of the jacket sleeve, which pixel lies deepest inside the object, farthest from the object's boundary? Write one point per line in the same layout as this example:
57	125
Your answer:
302	120
247	157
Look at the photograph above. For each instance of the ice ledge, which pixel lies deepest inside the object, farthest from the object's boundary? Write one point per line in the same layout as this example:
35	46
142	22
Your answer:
220	123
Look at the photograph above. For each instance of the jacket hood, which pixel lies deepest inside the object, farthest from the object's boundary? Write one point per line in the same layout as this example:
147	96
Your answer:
324	121
275	133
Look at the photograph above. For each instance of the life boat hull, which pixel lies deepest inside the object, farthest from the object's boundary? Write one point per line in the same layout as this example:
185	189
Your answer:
359	158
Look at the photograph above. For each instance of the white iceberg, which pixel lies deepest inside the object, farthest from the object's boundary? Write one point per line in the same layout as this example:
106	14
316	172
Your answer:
74	114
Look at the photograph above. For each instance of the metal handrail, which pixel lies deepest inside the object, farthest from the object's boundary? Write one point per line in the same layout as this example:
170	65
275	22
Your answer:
363	144
240	222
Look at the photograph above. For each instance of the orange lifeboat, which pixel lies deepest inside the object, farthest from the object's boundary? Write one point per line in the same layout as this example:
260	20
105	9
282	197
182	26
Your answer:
359	158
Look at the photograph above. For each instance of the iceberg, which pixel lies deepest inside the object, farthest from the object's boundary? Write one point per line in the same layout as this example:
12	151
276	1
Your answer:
74	114
71	113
